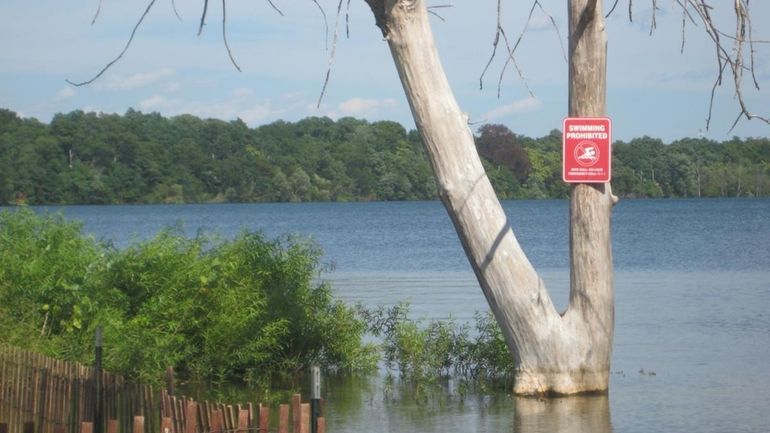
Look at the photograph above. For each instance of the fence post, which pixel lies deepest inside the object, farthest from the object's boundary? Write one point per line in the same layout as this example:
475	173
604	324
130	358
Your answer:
296	412
216	424
264	418
315	399
138	424
170	380
283	418
304	425
165	424
191	417
98	422
243	421
41	407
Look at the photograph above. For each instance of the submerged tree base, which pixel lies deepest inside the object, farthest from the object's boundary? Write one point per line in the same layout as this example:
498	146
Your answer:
557	384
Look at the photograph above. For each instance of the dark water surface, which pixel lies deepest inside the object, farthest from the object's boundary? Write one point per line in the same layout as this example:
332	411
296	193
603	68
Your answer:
692	339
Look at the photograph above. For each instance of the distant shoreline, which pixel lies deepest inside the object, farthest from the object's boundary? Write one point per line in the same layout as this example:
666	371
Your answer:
137	158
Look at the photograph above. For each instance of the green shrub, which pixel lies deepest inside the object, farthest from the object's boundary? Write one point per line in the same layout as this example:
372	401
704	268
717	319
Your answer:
235	310
46	272
242	310
424	352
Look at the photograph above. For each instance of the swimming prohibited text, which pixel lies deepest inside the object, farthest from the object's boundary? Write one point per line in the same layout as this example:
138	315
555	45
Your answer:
586	150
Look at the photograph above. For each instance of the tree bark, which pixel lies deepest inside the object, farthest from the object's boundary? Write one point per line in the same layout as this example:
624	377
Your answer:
554	354
591	277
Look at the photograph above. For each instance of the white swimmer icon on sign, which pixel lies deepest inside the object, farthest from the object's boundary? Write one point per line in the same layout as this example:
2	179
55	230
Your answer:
586	153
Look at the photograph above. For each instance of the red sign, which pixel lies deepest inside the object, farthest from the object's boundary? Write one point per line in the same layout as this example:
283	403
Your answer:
586	150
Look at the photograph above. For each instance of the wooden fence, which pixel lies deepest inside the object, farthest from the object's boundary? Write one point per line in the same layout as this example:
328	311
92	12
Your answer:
39	394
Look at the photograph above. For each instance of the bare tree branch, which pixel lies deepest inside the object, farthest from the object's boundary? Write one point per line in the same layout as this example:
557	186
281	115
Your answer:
224	35
495	41
737	119
347	20
96	15
684	25
500	32
435	14
128	44
173	7
751	49
612	9
653	20
556	28
747	40
333	52
511	50
326	23
203	16
717	82
275	7
686	11
739	58
734	58
509	60
224	30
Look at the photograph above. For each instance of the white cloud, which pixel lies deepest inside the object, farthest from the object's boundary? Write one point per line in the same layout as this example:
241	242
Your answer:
242	92
527	105
365	107
136	81
257	113
155	102
294	96
228	109
65	93
173	87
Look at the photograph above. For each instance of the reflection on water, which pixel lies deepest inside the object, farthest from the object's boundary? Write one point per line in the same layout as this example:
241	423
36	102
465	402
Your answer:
375	404
583	414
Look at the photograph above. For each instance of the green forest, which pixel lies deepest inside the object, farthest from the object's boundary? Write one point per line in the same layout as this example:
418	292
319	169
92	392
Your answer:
90	158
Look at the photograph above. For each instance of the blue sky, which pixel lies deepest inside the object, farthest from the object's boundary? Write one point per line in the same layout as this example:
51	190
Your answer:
652	88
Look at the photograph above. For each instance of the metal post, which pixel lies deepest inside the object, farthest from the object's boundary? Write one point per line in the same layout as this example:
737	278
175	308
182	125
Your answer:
98	381
315	399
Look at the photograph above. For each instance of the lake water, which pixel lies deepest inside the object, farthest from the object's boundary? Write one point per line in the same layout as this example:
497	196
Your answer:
692	339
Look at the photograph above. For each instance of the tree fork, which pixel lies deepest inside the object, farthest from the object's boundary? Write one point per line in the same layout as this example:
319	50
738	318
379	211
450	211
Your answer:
555	354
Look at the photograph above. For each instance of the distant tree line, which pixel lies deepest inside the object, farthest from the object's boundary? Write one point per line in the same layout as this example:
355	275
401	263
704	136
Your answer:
89	158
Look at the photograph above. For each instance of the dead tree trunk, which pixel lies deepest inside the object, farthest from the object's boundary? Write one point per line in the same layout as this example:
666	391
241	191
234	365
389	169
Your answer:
591	277
555	353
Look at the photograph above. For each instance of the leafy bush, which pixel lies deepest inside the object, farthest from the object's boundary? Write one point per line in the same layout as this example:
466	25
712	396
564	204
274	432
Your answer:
241	309
423	352
247	309
46	271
